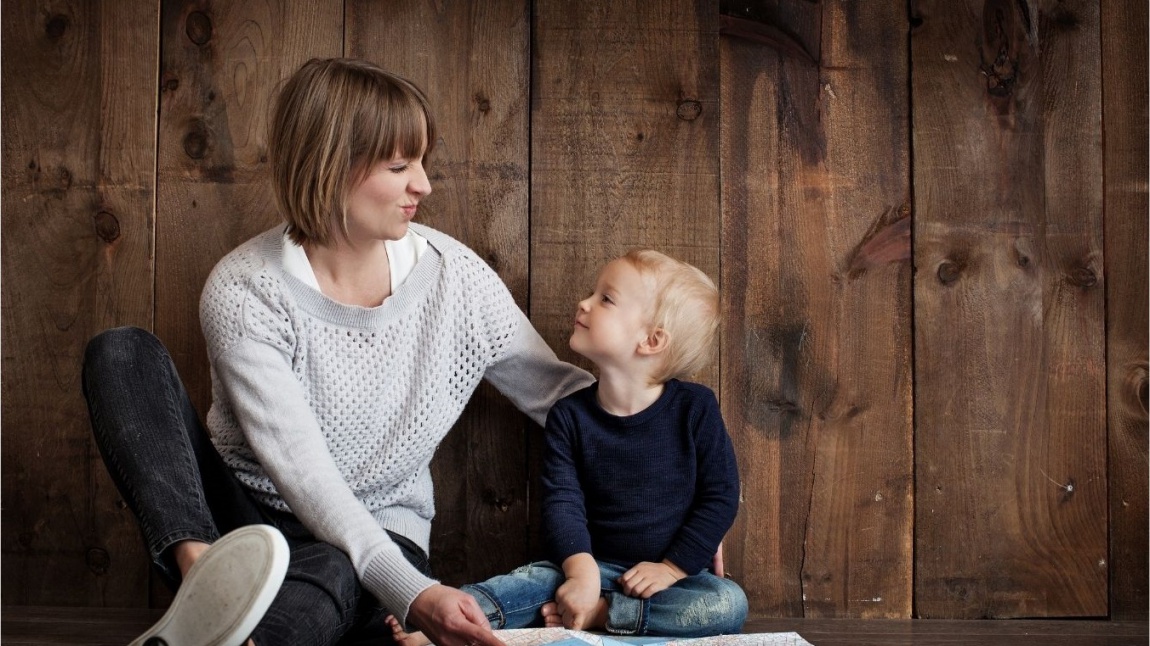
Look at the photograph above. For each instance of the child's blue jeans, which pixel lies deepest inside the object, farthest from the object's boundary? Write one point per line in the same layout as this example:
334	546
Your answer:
697	606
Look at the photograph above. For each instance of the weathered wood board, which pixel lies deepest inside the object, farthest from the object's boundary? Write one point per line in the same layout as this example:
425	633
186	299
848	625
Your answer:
1010	420
221	66
79	184
1124	121
816	282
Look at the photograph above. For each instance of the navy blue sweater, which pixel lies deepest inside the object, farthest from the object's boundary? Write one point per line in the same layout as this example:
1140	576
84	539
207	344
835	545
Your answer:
661	484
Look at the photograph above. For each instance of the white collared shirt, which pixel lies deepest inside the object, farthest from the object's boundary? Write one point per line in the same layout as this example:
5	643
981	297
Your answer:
402	256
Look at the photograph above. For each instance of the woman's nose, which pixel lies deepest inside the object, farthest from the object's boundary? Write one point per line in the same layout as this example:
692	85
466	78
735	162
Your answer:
420	185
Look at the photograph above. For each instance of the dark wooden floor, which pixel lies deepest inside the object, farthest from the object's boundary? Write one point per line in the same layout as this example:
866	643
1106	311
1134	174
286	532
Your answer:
33	626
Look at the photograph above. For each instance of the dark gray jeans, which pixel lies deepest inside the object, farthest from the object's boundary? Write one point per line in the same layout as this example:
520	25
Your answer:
165	467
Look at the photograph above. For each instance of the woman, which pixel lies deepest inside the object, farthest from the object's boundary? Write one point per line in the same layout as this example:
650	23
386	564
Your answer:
343	346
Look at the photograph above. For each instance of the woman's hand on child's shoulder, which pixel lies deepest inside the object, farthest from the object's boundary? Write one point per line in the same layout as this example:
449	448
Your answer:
646	578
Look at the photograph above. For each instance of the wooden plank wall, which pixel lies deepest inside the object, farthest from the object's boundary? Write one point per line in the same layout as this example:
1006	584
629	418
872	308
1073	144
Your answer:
933	360
1010	380
1126	134
816	382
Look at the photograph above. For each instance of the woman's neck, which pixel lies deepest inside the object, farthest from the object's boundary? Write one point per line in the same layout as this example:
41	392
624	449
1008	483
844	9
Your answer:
352	275
623	394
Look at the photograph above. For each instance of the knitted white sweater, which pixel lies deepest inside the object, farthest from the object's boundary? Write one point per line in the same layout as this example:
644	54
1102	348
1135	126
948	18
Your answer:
335	411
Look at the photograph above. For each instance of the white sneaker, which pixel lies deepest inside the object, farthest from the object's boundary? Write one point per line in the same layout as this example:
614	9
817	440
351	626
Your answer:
226	593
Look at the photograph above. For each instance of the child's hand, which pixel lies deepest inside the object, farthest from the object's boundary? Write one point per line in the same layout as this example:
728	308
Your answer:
646	578
577	599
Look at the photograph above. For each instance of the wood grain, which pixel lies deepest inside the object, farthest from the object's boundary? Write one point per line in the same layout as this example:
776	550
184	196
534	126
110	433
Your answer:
221	66
624	145
472	60
1124	118
1009	348
78	159
817	371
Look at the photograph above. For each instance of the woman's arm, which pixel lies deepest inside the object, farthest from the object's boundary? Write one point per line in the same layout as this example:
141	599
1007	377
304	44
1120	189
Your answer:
280	427
531	376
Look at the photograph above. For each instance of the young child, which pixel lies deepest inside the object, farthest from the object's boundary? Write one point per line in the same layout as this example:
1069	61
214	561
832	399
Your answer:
640	482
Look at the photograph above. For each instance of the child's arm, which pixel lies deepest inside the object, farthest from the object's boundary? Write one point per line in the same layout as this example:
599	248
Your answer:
716	496
565	521
578	596
646	578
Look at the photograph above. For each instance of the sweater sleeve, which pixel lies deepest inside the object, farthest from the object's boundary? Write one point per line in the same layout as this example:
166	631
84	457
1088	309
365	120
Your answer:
565	529
531	376
716	493
251	360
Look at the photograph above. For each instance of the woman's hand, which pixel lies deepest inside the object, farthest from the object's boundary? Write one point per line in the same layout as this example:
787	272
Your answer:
646	578
449	617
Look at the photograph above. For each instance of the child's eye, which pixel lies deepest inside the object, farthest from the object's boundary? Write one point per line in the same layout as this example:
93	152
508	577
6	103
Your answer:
607	299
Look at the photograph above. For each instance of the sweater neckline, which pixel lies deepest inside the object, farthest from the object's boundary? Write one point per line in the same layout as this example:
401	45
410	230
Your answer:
415	289
656	407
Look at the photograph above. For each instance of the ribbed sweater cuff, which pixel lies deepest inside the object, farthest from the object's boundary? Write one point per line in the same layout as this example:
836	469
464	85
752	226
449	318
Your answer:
395	582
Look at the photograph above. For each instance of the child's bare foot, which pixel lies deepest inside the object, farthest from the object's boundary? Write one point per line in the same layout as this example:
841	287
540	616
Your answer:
598	620
404	638
552	618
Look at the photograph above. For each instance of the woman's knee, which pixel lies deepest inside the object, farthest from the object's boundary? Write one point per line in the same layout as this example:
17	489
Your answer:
317	602
119	347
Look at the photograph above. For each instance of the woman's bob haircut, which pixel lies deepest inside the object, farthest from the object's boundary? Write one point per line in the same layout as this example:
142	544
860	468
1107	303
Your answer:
333	122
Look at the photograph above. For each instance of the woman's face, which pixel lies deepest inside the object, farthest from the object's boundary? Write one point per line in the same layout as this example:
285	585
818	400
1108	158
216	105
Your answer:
381	206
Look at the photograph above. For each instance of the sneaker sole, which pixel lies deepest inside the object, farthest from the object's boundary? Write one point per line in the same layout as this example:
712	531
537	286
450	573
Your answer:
226	592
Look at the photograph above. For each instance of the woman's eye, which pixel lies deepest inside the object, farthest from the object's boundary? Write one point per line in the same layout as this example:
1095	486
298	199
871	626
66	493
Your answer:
398	169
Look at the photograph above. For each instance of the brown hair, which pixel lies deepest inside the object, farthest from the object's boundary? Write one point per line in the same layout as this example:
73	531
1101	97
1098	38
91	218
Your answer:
686	308
334	120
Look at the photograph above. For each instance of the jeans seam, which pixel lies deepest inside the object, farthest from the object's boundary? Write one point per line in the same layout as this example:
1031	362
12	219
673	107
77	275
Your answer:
502	615
175	410
640	621
155	544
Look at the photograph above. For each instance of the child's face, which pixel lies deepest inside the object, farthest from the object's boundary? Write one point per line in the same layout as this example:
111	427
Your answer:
612	322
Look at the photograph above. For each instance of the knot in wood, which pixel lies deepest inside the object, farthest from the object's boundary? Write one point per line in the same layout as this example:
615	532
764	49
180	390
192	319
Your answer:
196	142
689	110
98	560
198	27
948	272
1084	277
1136	391
482	103
56	26
107	226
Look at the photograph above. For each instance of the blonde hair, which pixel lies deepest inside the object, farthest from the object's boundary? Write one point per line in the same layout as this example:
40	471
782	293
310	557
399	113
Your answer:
686	307
334	120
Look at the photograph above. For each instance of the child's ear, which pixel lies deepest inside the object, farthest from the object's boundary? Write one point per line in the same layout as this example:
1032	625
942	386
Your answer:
655	342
